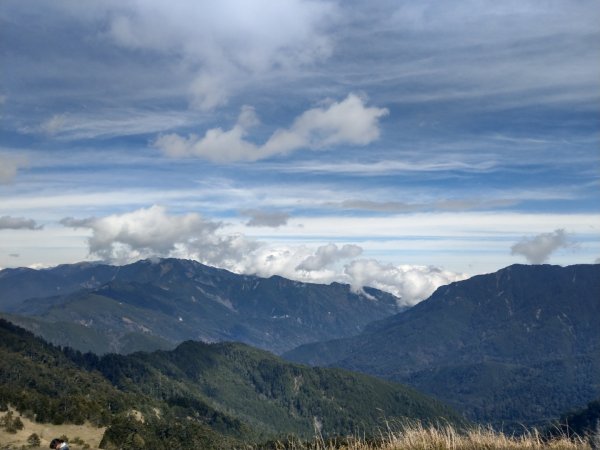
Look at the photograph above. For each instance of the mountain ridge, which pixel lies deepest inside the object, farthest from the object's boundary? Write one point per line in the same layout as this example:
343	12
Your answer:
516	346
175	300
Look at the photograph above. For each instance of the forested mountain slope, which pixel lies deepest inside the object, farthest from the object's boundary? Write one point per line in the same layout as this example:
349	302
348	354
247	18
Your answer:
521	345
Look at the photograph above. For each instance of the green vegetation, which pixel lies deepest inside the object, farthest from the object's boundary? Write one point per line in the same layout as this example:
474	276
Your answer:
196	396
151	305
34	440
512	348
583	422
10	423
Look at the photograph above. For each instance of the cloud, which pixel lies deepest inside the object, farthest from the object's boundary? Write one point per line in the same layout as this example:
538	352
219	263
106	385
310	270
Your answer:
71	222
18	223
329	254
153	232
143	233
225	42
411	283
346	122
54	124
259	218
402	207
9	165
538	249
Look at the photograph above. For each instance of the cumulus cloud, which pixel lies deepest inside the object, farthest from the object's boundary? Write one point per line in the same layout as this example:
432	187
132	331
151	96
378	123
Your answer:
259	218
329	254
153	232
411	283
143	233
18	223
349	121
224	42
537	249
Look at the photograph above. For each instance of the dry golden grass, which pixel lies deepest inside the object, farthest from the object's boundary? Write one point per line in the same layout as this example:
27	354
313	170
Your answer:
408	436
86	433
415	436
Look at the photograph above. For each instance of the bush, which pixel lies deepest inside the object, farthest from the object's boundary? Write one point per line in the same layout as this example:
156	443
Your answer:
11	424
34	440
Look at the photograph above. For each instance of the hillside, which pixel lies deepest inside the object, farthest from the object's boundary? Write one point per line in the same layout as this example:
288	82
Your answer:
214	393
157	304
582	422
518	346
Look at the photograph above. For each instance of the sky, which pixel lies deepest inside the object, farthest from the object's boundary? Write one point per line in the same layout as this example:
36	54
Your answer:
397	144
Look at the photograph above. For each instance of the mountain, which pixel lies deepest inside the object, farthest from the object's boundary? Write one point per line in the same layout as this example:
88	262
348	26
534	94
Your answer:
158	304
200	395
518	346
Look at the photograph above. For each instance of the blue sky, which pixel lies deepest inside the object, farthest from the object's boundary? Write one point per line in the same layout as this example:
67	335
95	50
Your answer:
400	144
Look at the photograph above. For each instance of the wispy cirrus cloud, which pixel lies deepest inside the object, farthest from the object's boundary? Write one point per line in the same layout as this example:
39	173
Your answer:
460	204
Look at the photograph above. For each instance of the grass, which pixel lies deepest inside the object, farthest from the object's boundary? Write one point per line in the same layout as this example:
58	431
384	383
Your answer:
415	436
77	435
405	436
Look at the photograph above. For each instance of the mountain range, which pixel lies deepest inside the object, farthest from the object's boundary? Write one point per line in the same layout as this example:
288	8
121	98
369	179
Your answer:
156	304
197	395
516	347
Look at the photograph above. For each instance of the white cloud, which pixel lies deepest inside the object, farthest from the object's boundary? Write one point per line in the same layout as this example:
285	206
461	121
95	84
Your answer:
327	255
209	91
142	233
260	218
538	249
18	223
226	43
346	122
411	283
151	232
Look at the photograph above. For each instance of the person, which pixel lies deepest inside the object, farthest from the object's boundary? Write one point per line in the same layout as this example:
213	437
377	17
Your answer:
59	444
